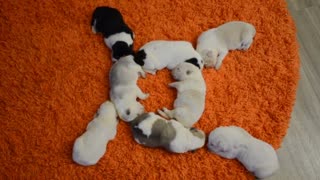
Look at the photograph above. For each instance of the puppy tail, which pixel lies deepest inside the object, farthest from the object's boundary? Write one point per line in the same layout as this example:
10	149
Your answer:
139	57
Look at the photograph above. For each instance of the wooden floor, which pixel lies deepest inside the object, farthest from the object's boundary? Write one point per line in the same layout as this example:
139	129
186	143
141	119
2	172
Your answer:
300	152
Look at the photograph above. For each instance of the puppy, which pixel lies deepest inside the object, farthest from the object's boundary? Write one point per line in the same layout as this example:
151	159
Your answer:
191	87
124	90
117	34
152	130
157	55
234	142
214	44
91	146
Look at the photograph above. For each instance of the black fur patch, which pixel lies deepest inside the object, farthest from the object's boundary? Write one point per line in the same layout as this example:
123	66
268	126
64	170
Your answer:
139	57
109	21
193	61
120	49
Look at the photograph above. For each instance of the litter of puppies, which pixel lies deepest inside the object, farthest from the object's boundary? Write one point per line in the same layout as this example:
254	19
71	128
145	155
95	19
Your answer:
176	133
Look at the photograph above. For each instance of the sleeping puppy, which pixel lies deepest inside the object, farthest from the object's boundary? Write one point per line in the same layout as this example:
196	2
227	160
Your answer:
191	87
159	54
91	146
117	34
152	130
214	44
257	156
124	90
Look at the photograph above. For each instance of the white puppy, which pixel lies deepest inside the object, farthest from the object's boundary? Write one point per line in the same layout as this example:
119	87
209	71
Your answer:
91	146
124	90
214	44
191	87
159	54
152	130
257	156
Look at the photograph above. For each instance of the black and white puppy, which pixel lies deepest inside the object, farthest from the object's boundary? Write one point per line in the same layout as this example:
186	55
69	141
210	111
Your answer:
152	130
117	34
159	54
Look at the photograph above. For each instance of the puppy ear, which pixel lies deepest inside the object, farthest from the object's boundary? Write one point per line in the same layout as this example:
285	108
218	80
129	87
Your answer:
120	49
139	57
193	61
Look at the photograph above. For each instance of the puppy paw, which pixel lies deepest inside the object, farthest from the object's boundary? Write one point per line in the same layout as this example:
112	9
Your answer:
173	85
153	72
209	54
142	74
209	63
145	96
163	112
218	65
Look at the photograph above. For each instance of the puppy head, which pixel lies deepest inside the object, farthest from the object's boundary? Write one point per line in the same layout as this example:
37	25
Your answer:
101	14
185	71
226	141
120	49
106	109
130	111
210	57
247	37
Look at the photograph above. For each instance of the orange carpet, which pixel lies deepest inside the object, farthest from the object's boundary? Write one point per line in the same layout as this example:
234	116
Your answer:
54	77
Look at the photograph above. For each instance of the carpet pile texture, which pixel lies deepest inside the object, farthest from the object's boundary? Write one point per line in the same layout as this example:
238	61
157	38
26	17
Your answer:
54	76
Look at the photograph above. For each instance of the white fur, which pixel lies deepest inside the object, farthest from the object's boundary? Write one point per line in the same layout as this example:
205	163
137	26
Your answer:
146	126
122	36
257	156
184	140
168	54
124	91
91	146
190	102
214	44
